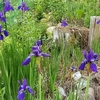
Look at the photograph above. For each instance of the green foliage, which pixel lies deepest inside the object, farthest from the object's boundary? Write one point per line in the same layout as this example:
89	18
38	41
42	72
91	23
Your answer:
2	93
39	12
71	96
76	12
1	6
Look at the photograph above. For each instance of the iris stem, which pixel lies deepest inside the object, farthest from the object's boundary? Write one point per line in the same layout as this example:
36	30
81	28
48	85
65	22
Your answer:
40	84
40	77
88	69
30	76
87	88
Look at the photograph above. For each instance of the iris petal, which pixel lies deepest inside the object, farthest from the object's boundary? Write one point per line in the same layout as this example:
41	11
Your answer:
30	55
0	28
19	88
20	95
24	83
35	48
82	66
1	13
23	4
1	37
90	55
92	60
85	54
25	8
64	23
38	43
26	61
19	7
3	19
98	22
95	56
30	90
44	54
11	8
5	33
93	67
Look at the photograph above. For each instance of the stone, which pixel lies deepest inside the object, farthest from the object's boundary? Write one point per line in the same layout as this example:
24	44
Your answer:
61	91
91	94
98	92
97	76
50	29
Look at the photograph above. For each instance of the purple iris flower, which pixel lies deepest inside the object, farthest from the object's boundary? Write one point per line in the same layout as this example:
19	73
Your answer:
37	52
7	6
2	18
89	59
4	32
23	7
98	22
22	89
64	23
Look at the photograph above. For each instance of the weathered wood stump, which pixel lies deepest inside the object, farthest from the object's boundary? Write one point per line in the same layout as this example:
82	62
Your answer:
72	35
94	33
84	36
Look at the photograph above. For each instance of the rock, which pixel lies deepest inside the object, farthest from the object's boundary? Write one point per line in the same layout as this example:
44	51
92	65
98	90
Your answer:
50	29
91	94
61	91
81	95
98	92
97	76
95	84
76	76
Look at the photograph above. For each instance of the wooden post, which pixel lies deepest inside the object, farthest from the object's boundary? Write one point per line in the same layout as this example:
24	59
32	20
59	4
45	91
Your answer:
94	32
